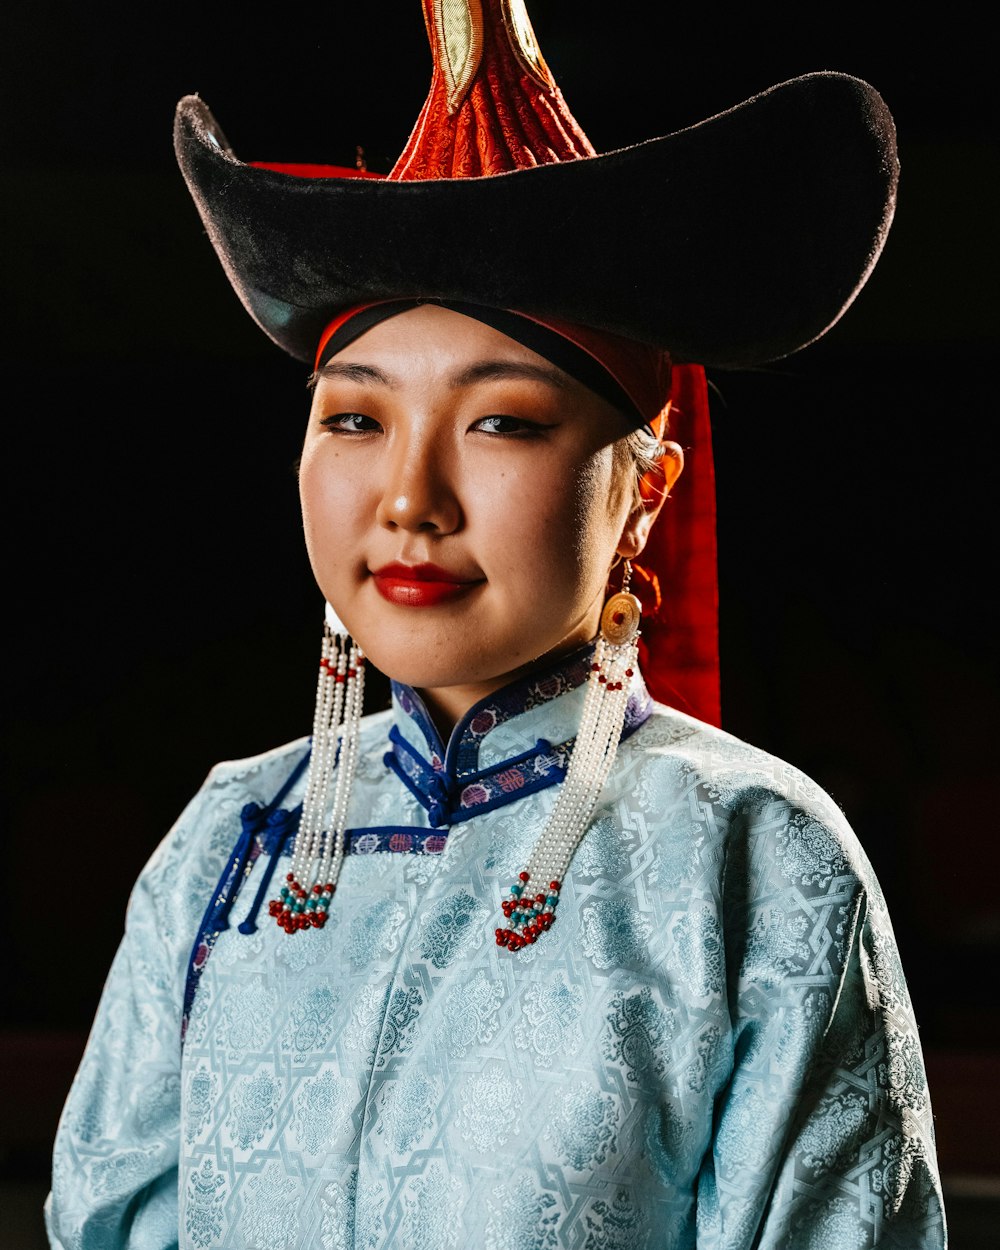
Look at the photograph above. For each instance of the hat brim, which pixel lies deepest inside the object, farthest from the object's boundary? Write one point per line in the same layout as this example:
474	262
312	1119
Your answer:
731	243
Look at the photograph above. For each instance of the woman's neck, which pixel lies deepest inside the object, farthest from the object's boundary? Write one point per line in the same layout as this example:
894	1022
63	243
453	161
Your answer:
446	705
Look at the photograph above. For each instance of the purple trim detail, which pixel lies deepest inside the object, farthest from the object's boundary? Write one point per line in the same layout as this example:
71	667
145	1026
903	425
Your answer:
447	801
396	840
512	779
638	710
554	774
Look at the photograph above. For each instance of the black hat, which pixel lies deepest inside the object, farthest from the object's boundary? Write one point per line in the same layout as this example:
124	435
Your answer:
730	243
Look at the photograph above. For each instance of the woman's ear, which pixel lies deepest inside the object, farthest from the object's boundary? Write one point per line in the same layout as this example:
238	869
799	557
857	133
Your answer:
656	484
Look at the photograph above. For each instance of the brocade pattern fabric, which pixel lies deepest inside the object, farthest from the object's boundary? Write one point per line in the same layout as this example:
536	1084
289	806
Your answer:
713	1047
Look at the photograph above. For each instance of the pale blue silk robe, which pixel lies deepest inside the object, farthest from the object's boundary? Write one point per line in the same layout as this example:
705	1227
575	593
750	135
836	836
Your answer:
712	1047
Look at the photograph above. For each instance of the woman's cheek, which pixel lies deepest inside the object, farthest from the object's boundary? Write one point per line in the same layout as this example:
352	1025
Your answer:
330	504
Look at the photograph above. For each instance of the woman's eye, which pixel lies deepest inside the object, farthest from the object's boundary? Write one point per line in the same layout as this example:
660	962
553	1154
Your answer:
350	423
516	426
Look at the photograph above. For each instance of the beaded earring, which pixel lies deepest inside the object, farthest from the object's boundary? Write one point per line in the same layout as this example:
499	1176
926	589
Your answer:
319	842
528	914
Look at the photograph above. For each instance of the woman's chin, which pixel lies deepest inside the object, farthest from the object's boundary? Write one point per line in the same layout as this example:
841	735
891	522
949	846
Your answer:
459	662
428	676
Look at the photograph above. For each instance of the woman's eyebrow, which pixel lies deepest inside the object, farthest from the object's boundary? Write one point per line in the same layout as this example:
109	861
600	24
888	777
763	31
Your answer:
491	370
355	373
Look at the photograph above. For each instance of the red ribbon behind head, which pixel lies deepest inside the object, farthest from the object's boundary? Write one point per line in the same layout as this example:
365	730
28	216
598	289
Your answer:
679	645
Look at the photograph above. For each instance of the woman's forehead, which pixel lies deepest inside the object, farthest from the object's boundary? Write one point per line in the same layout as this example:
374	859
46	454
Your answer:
433	344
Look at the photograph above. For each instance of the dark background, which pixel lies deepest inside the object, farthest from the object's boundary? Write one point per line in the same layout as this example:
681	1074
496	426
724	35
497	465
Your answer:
160	612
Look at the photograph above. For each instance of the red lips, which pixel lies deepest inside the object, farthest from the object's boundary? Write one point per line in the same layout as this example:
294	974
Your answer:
420	585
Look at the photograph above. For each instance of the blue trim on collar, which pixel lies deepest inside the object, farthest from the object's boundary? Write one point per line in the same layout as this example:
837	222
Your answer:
460	758
453	794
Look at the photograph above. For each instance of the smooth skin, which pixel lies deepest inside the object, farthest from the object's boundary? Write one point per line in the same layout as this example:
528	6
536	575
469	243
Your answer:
435	439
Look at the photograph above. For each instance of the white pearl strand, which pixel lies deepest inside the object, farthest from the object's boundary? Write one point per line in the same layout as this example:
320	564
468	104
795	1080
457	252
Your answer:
320	839
531	905
332	854
593	756
326	726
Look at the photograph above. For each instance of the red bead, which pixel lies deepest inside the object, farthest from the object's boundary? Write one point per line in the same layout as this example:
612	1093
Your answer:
628	672
602	678
317	889
319	920
524	876
554	885
595	668
290	876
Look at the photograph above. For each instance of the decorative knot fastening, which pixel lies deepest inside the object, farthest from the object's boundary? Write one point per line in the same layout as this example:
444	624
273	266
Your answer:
437	812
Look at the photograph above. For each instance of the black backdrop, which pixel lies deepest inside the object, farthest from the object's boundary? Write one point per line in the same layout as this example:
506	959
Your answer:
160	614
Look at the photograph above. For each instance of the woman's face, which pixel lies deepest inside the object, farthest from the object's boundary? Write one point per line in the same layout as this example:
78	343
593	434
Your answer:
462	503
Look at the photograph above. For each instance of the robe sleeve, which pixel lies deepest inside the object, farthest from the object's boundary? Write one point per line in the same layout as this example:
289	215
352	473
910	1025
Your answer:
823	1137
114	1173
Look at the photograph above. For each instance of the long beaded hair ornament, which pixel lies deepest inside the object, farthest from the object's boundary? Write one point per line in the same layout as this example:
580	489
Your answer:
309	886
530	907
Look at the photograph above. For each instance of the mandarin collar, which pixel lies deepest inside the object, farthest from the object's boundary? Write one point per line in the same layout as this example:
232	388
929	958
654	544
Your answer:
515	741
503	723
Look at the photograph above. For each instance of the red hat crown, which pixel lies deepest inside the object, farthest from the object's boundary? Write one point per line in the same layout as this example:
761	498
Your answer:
493	105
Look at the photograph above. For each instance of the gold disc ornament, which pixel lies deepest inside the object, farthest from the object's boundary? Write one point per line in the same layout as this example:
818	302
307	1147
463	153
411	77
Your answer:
620	618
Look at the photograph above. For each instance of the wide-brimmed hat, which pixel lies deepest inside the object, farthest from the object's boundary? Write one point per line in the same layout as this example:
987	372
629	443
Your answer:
731	243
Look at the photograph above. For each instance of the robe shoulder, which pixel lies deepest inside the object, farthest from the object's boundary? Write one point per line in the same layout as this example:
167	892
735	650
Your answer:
749	794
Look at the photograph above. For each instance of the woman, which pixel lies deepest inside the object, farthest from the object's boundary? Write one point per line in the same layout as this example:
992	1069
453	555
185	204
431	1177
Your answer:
529	959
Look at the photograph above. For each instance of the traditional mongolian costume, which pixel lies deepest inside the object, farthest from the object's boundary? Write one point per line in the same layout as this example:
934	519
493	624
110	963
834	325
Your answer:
699	1034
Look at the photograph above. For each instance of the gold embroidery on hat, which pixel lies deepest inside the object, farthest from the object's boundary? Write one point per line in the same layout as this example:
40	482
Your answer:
458	29
523	41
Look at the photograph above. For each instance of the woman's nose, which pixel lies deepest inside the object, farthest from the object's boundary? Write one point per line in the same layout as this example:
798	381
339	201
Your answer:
417	493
